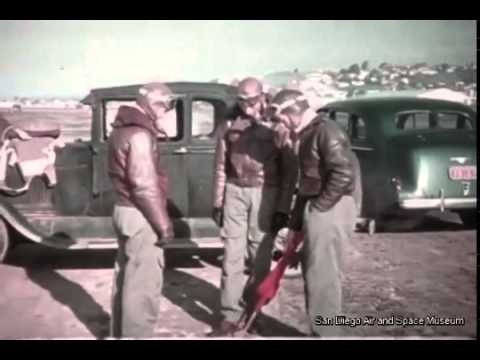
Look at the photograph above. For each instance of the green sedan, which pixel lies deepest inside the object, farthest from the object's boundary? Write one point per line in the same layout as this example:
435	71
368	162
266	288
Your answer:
416	155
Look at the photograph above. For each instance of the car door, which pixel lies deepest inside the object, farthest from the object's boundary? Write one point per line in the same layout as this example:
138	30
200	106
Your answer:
207	113
172	157
362	144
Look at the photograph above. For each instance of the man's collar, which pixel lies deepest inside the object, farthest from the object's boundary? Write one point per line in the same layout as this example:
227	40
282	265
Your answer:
139	108
307	118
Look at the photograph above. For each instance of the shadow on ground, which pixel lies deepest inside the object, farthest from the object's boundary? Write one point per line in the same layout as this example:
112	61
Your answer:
200	299
74	296
197	297
31	255
434	221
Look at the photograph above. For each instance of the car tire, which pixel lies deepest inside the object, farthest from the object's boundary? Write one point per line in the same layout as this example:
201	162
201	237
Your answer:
469	218
5	244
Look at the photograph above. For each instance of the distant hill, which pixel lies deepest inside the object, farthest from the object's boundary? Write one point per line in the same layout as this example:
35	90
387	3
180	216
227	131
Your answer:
360	80
323	85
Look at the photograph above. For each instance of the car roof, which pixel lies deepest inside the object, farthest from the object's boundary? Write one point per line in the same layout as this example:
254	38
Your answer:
176	87
393	105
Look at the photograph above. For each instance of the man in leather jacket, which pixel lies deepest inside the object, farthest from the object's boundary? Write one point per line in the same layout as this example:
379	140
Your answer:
324	209
254	183
140	215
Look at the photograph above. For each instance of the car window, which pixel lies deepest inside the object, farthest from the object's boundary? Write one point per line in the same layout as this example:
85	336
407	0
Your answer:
325	112
203	119
413	120
342	118
419	120
359	129
170	122
110	112
453	120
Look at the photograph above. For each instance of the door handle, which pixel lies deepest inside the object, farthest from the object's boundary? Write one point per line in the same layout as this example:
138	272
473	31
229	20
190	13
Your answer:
181	150
95	149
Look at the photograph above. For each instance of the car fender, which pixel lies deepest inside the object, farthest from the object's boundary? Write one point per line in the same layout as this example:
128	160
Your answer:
18	222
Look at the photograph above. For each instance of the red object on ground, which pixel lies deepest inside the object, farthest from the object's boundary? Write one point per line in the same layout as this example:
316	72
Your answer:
270	285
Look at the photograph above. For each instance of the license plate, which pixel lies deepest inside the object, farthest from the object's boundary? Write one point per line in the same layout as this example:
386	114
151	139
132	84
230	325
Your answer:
463	172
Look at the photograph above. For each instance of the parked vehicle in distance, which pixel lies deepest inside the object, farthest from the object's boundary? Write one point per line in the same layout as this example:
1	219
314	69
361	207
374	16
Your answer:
416	155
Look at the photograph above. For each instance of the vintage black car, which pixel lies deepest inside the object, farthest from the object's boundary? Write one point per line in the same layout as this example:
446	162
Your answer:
416	155
75	213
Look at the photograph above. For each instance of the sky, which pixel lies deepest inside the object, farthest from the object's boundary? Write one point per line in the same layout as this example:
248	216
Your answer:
69	57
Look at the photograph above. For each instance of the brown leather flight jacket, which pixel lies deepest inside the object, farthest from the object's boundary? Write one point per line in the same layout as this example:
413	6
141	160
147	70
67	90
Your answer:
327	169
133	166
249	154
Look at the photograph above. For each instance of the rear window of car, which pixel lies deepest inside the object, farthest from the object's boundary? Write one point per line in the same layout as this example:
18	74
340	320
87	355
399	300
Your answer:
203	119
420	120
342	119
453	120
171	121
353	125
414	120
359	129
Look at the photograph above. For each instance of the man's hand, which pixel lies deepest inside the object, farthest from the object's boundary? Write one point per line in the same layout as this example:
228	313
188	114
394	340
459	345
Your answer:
279	221
166	237
294	261
253	113
296	219
217	216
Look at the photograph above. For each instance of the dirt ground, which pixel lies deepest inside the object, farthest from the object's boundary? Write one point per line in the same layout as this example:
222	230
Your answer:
407	275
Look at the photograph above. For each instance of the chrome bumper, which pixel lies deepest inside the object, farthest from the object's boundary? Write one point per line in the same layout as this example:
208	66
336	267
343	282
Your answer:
438	203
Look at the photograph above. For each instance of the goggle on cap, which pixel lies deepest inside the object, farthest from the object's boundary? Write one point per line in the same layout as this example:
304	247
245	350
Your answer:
250	90
276	109
249	99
